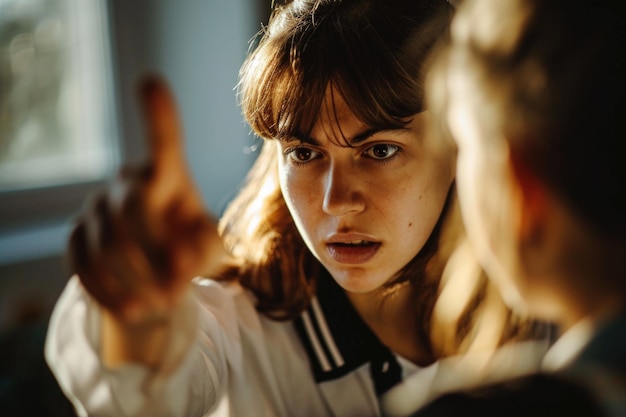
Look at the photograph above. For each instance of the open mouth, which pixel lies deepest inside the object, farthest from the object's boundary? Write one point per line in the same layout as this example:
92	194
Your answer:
354	243
355	252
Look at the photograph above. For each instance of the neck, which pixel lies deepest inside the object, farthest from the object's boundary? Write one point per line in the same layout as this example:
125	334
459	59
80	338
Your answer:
392	316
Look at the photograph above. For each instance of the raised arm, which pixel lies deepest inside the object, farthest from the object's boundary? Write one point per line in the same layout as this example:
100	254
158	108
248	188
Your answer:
142	240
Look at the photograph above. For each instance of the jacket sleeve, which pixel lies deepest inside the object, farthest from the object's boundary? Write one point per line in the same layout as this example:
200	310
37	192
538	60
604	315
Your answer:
190	381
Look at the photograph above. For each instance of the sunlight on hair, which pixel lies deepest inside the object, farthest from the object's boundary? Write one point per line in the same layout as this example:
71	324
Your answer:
458	284
497	28
269	187
490	322
462	98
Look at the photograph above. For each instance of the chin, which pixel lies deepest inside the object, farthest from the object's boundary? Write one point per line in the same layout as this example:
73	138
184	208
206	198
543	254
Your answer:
353	286
358	283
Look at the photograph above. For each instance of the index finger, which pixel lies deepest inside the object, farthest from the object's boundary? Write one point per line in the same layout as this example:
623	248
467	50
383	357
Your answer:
165	138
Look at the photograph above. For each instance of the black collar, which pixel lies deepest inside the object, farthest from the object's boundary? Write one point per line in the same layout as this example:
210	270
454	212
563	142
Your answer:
338	341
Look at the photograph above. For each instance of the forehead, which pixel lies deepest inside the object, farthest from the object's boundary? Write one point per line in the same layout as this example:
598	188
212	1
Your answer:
336	119
334	108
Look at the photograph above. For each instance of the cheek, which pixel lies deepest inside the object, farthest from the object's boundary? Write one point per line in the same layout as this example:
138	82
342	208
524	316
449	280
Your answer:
420	203
299	195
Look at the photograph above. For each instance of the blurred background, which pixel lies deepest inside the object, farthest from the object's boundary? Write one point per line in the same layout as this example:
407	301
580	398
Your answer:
69	118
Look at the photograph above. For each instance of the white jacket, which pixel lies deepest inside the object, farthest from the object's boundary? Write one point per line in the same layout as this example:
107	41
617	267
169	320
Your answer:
225	359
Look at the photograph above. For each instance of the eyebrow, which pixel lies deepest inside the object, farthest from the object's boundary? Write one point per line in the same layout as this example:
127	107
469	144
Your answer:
354	140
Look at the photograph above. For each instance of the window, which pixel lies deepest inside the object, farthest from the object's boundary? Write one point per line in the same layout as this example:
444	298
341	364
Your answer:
57	129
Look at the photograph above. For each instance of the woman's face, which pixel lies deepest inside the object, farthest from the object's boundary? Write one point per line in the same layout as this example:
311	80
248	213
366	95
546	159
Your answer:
364	211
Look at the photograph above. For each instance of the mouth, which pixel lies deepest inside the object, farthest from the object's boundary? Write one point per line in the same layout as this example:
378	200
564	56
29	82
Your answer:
352	252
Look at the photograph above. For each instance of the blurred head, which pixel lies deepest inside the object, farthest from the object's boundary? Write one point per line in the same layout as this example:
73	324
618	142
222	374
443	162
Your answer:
336	89
533	93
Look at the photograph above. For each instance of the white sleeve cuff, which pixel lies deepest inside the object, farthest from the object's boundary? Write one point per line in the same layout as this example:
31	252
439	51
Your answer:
72	352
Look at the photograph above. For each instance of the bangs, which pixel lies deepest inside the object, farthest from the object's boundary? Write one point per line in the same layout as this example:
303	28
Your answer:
284	82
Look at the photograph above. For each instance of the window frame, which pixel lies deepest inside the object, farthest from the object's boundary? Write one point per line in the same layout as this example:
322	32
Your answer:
22	218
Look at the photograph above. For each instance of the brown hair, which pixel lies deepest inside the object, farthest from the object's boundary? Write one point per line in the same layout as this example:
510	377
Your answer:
373	52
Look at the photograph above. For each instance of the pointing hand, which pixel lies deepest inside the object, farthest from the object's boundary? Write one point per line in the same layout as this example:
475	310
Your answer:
145	237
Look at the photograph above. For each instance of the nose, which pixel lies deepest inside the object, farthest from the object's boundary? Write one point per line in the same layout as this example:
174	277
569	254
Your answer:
342	193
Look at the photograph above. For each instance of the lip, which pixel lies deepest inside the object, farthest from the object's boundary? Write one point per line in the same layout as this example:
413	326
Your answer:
350	249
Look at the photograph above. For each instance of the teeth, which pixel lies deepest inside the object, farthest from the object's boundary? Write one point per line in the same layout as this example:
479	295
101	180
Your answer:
355	243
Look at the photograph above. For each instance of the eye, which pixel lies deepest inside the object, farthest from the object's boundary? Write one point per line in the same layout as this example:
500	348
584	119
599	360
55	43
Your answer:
301	154
382	151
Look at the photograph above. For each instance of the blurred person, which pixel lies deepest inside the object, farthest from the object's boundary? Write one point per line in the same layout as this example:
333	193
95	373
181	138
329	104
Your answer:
534	95
323	273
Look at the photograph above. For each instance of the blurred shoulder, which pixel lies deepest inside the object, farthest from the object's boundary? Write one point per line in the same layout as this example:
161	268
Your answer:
536	395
